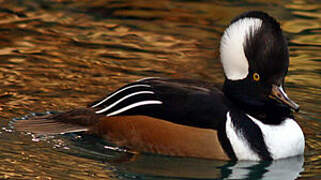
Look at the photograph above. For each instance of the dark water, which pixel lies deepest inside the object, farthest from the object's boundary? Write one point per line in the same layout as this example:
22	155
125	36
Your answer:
61	54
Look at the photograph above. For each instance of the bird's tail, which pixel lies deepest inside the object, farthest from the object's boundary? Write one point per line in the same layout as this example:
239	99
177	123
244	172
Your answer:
71	121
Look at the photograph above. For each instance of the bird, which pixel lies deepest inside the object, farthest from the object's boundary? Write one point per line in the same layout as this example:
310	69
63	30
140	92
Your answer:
249	118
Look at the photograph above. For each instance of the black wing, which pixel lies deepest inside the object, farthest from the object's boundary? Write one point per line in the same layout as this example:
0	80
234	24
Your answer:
186	102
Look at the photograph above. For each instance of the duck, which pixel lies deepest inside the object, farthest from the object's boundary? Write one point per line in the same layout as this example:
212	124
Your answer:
249	118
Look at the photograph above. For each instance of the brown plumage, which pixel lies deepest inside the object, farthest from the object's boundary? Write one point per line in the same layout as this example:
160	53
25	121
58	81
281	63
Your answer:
147	134
137	133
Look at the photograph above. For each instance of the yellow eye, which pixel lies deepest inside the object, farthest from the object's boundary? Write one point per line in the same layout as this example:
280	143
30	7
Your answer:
256	76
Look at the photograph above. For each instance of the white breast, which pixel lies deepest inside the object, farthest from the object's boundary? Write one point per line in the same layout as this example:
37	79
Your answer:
238	142
284	140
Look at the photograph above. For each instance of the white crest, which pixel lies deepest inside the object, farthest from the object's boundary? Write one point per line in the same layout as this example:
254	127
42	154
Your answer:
233	58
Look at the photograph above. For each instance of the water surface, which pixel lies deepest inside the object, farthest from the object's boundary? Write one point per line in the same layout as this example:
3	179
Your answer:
56	55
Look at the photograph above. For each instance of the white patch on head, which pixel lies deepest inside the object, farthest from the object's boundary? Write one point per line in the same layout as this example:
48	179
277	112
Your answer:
239	143
233	58
284	140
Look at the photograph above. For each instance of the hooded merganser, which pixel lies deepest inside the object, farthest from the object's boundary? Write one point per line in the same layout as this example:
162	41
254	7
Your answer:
250	119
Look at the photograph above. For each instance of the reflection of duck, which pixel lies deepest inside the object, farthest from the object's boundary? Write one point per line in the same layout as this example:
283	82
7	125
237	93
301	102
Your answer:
250	120
286	169
145	166
150	166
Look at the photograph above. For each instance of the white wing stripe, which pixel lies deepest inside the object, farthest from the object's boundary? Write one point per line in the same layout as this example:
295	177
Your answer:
147	78
121	90
123	98
141	103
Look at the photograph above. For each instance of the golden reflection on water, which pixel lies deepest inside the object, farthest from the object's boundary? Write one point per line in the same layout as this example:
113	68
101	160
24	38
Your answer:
28	163
57	55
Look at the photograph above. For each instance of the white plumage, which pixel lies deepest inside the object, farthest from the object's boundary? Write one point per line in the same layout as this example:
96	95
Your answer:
233	58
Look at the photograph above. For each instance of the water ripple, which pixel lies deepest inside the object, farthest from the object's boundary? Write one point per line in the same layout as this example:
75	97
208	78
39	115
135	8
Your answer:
62	54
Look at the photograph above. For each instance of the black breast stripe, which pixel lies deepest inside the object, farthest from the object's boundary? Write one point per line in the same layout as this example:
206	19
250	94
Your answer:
252	133
225	142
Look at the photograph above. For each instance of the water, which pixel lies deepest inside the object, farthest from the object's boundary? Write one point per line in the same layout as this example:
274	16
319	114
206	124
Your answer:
61	54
